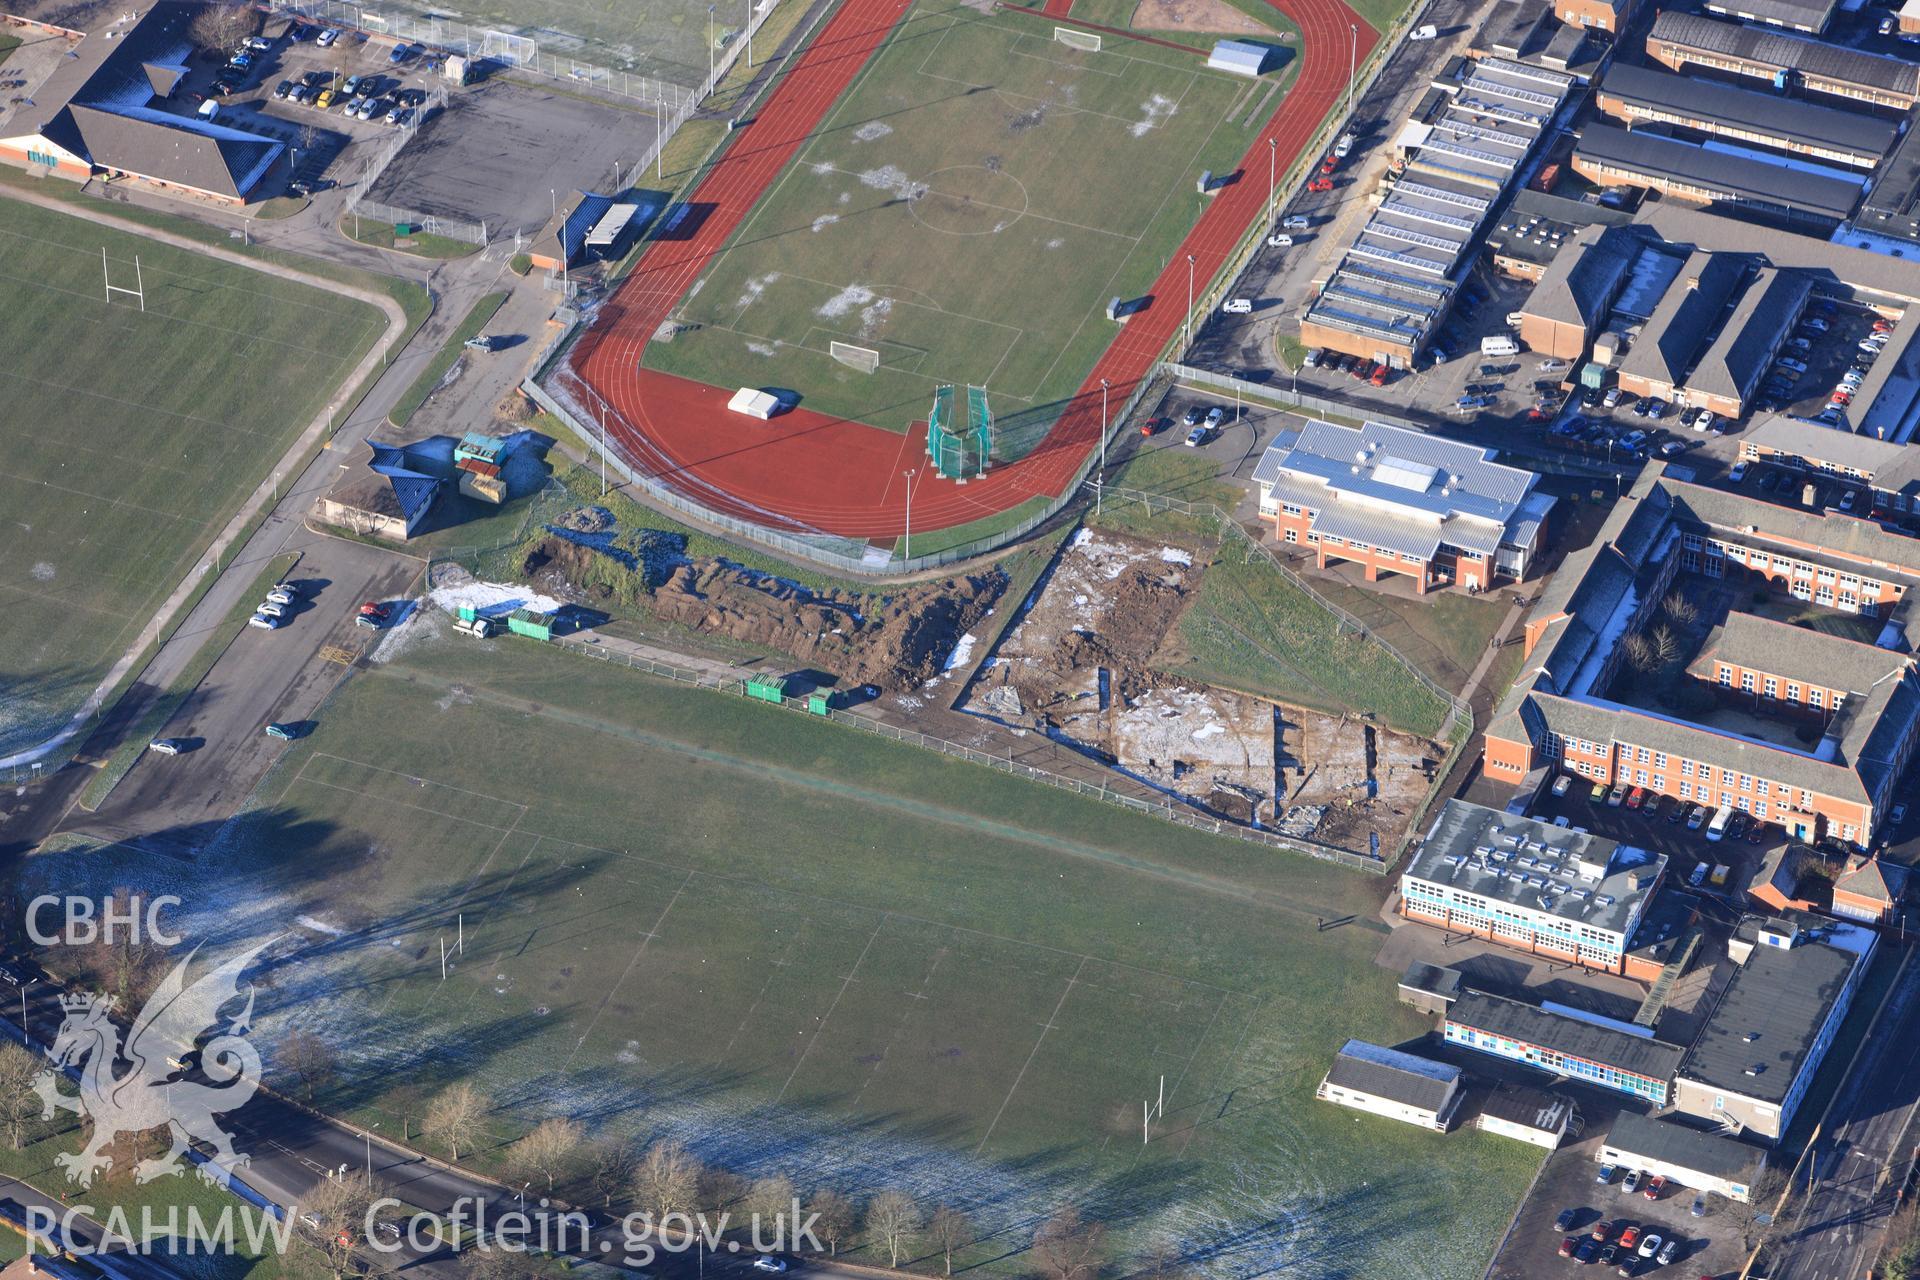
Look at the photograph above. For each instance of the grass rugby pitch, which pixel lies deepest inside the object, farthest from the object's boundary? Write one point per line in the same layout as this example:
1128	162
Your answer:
131	438
814	952
968	208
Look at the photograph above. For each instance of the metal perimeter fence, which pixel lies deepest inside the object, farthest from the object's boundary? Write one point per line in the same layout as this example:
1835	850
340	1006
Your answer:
1167	811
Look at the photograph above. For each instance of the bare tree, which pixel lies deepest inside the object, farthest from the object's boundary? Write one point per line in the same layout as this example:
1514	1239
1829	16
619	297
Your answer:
20	1106
834	1217
722	1190
1068	1247
893	1219
549	1150
337	1209
1680	611
607	1166
124	965
223	24
1754	1220
951	1231
1665	644
307	1057
1164	1262
411	1101
667	1181
770	1199
498	1264
456	1117
1638	651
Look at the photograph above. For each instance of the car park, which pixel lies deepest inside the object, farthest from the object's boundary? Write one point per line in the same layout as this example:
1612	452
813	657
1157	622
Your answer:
401	52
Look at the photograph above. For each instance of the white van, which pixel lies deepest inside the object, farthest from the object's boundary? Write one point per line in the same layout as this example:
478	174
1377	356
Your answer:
1238	306
1718	827
1499	346
209	111
1427	32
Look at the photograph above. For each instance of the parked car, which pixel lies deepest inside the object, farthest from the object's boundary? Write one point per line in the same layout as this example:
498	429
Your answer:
1616	798
1197	437
326	37
284	732
1216	416
1279	240
1650	1244
1699	1206
1668	1252
1312	359
401	52
1568	1245
1738	473
283	90
1630	1237
1612	397
1595	796
1655	1185
1601	1229
1237	306
768	1262
263	621
1636	797
165	746
1585	1252
1608	1254
277	596
1632	1184
1790	364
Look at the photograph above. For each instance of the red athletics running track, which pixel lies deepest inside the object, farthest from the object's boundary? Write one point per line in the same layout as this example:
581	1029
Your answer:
811	472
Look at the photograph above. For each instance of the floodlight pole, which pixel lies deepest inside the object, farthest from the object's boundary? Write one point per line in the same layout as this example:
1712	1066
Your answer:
1273	153
909	539
1100	485
1189	338
709	48
1353	65
749	4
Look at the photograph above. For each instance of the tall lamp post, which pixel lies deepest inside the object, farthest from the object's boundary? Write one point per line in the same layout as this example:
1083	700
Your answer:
1100	485
1189	339
910	475
1273	152
710	49
1353	62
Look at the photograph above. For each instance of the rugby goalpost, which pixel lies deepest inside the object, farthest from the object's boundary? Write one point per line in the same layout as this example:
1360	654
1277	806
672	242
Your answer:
1073	38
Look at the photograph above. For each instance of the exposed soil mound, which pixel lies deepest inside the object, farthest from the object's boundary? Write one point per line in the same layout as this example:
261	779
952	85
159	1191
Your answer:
897	642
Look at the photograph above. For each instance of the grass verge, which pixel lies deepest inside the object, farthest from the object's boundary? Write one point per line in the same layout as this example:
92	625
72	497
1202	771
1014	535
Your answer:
421	244
423	386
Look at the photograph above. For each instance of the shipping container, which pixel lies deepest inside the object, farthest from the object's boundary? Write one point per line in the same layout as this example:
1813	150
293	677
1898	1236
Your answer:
767	688
531	623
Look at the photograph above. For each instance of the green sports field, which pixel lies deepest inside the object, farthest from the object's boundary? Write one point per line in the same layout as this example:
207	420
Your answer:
813	952
128	439
967	210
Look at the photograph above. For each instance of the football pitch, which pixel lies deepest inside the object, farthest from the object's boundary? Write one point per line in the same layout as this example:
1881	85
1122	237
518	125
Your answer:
811	952
129	438
967	210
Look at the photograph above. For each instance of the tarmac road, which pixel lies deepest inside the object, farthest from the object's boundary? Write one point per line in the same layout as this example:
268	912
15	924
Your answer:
172	804
1835	1232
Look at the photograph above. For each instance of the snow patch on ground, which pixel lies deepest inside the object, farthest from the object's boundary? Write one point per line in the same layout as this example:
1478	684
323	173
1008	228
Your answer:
872	131
891	178
490	599
872	317
1174	555
821	167
1154	112
1056	242
961	655
320	926
854	295
756	285
824	221
43	572
764	348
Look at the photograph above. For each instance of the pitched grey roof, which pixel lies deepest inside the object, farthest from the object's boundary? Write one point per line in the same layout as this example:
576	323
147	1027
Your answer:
1812	58
1533	1025
1737	177
1878	459
1808	15
1585	278
1865	272
1665	1142
1678	327
1840	536
98	104
1796	653
1715	103
1767	1020
1381	1072
1747	342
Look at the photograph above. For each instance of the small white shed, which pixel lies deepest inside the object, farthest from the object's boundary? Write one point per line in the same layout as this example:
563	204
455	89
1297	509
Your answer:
754	403
1240	57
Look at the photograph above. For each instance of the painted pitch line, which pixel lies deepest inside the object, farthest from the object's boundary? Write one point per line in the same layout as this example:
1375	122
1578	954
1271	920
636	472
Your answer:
1045	1027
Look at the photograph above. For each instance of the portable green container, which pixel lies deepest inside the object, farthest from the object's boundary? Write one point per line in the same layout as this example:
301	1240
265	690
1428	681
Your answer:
767	688
530	623
819	703
466	613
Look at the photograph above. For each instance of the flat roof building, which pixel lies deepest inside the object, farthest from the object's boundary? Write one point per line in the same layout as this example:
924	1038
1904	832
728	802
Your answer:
1239	57
1648	95
1564	1046
1680	40
1705	175
1690	1157
1752	1062
1530	885
1403	502
1387	1082
1526	1115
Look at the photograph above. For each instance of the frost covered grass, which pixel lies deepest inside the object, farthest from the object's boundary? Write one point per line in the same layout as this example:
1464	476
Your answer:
130	438
808	951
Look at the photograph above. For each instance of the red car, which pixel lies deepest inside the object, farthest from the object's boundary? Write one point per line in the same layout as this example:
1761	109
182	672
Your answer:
1629	1238
1320	184
1636	798
1379	378
1329	164
1153	426
1567	1246
1601	1230
374	609
1655	1187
